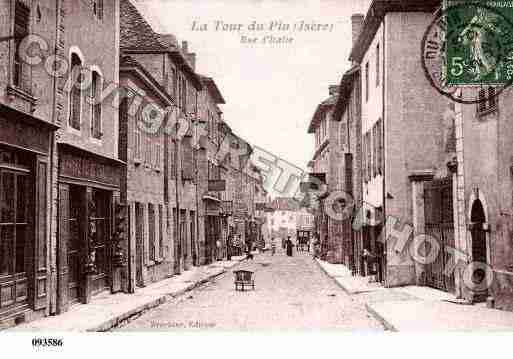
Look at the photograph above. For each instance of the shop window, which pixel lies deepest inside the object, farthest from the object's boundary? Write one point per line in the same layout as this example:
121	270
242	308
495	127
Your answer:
98	213
13	221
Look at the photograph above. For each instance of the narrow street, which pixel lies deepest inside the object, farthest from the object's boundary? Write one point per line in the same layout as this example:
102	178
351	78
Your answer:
290	294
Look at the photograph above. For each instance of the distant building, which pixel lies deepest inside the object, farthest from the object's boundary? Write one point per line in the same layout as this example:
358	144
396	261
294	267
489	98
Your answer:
282	220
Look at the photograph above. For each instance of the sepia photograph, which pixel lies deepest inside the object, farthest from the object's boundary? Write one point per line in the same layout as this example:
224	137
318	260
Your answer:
330	169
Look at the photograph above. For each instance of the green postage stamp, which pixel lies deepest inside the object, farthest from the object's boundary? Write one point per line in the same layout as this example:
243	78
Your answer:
479	42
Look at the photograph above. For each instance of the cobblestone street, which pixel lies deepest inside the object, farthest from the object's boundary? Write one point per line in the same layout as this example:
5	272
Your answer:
291	293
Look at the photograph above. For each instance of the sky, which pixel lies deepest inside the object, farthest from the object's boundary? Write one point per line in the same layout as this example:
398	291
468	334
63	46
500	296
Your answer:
271	89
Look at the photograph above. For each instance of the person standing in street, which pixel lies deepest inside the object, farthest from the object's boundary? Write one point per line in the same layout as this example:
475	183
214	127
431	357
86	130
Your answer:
218	250
289	245
273	246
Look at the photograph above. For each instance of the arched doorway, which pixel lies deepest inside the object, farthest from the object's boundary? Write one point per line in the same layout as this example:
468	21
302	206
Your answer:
479	247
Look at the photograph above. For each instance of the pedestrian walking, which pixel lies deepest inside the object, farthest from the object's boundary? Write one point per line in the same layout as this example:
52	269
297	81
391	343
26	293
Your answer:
218	250
289	245
273	246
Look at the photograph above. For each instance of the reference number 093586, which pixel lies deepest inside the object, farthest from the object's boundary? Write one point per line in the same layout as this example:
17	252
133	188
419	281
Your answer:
47	342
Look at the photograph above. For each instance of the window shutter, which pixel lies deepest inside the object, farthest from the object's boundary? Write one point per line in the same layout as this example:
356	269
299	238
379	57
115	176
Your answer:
364	159
187	160
21	74
367	156
374	150
100	9
349	172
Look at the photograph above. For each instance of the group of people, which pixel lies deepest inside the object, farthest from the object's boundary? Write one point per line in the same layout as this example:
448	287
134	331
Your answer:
288	245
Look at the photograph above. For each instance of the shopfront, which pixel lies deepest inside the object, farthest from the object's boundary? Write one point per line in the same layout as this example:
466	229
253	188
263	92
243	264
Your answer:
24	187
212	228
88	193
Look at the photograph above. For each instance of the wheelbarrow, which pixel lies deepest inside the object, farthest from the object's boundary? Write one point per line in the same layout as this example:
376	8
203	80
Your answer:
244	279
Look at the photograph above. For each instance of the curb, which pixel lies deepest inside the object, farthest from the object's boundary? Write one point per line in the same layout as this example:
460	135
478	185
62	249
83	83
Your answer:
126	317
333	278
380	318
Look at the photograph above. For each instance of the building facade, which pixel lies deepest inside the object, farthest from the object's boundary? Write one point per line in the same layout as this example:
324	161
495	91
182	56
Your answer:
27	144
103	184
150	248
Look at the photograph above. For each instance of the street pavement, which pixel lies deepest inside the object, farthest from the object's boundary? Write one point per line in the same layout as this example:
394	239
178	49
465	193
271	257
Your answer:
291	293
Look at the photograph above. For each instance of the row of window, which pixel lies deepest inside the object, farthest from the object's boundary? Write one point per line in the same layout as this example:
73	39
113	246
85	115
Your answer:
372	159
78	74
155	228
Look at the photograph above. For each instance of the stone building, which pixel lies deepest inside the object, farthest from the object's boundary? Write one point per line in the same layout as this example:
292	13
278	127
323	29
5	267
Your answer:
214	245
173	67
477	154
282	221
87	169
325	165
400	120
150	248
356	238
27	144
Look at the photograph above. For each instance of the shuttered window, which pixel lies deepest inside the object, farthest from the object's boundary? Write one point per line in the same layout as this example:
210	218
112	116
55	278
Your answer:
75	93
380	153
151	231
364	157
161	232
21	29
369	156
374	150
98	9
96	106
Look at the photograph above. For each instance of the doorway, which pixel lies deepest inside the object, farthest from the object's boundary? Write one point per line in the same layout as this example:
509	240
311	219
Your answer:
479	248
139	244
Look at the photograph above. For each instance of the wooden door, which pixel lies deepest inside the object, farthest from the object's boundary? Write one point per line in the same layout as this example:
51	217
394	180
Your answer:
439	223
15	239
99	239
139	245
71	240
177	243
62	249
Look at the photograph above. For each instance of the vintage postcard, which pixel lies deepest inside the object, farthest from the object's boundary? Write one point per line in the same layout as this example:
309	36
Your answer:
178	166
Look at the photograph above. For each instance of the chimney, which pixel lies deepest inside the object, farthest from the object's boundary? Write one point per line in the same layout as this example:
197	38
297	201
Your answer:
333	89
356	26
185	47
